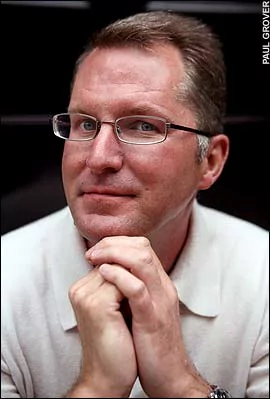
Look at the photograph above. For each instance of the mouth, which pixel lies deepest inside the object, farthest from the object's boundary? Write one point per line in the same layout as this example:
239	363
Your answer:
100	196
107	194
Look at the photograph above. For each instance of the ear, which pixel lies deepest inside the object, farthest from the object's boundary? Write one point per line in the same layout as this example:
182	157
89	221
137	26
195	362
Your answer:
214	161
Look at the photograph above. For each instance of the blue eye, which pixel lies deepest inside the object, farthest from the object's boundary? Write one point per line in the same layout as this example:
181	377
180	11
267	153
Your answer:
145	126
140	125
88	125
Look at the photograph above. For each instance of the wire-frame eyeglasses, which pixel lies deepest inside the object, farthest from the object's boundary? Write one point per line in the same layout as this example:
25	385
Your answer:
135	129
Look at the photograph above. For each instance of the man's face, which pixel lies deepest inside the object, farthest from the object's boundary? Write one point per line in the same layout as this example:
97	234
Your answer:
115	188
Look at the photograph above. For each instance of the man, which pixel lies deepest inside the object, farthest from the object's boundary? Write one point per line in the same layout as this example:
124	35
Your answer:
135	289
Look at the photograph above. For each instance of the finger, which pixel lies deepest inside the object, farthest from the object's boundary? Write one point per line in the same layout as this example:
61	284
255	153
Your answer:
134	254
86	285
108	295
96	302
133	289
93	276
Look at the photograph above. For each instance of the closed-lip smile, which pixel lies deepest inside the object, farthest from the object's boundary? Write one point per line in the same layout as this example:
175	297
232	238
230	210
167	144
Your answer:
106	191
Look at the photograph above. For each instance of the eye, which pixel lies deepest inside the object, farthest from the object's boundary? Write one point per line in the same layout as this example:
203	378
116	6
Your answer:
88	125
145	126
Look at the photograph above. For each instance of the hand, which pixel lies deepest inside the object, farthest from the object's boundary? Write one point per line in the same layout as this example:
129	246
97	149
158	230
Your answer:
108	358
132	266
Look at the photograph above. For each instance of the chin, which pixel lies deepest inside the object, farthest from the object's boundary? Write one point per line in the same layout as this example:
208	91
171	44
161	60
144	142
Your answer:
96	227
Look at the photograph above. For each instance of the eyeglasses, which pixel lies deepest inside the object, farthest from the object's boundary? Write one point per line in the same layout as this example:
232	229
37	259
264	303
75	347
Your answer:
135	129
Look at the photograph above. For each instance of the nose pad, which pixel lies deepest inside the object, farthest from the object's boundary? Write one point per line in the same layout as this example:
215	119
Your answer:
118	129
98	128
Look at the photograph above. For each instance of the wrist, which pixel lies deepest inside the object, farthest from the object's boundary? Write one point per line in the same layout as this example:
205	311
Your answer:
191	384
197	387
82	390
194	389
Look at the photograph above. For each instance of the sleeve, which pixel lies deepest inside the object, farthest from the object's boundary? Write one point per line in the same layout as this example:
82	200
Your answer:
8	388
258	380
16	379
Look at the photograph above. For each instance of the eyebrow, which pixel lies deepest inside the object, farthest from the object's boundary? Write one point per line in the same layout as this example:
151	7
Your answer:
75	110
146	110
129	110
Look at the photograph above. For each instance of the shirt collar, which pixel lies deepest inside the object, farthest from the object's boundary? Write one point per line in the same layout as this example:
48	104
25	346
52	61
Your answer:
196	274
67	265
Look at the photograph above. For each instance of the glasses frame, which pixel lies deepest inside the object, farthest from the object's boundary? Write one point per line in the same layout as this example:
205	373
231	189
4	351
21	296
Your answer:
168	125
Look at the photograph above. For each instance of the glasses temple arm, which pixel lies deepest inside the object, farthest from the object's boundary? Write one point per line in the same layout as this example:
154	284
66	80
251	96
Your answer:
189	129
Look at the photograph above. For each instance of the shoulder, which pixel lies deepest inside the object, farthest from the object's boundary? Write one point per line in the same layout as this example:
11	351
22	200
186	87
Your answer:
22	250
29	235
237	253
233	229
239	247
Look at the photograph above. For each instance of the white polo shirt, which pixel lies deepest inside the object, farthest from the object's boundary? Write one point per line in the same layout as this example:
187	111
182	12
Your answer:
222	281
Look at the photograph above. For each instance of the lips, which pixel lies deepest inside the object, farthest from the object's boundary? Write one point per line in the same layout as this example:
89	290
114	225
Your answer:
108	191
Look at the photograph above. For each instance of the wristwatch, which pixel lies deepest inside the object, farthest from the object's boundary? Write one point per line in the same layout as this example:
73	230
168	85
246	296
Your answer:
219	392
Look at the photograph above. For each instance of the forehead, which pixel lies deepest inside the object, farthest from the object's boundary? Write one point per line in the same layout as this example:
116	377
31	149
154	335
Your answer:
110	74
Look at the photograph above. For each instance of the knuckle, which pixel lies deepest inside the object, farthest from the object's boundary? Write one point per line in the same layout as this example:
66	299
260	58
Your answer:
92	303
146	254
143	242
83	302
146	258
104	242
74	294
173	294
140	290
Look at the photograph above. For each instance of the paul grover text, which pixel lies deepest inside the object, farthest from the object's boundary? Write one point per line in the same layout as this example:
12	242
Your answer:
265	32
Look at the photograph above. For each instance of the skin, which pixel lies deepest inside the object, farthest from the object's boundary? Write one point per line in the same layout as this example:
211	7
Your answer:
133	206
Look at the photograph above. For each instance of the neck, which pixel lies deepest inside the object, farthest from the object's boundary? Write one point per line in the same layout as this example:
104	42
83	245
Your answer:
169	241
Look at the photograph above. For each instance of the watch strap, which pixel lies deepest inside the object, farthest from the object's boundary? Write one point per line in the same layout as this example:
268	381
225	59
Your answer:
218	392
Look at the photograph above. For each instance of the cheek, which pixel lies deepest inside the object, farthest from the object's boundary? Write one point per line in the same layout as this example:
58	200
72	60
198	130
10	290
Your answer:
169	177
73	162
167	166
73	158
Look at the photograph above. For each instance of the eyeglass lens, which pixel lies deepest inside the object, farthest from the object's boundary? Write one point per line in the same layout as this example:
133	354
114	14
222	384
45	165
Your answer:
134	129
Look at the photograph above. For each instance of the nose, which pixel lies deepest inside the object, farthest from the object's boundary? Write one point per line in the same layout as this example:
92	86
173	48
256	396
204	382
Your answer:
105	154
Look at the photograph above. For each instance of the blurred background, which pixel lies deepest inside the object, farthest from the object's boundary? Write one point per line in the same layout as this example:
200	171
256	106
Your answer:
40	43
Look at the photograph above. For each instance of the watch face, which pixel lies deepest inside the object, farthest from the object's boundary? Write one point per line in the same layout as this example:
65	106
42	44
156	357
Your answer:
219	393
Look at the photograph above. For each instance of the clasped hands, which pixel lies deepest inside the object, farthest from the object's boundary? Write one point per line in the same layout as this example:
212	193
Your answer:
114	355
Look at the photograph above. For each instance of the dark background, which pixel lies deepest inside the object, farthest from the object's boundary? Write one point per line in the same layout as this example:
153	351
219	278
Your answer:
41	42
